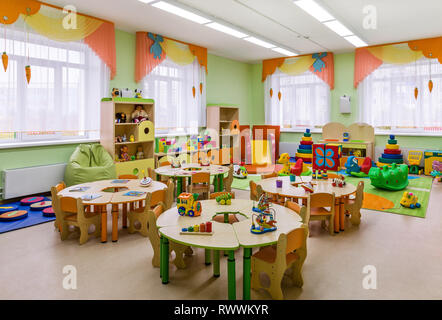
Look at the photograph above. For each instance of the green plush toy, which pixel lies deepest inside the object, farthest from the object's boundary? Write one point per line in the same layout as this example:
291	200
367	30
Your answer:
394	178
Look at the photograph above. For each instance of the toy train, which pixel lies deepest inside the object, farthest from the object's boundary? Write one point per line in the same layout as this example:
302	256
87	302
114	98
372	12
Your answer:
188	206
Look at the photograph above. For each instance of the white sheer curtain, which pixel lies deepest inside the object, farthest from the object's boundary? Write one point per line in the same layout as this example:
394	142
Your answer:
387	102
176	109
62	100
305	100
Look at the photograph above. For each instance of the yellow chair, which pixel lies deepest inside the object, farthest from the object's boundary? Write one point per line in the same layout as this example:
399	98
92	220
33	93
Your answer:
269	175
290	252
255	191
227	181
200	183
164	197
301	210
55	206
127	176
154	237
220	218
353	206
316	204
73	214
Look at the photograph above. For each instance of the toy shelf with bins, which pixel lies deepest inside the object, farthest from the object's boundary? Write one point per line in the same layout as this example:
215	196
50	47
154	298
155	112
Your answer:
143	133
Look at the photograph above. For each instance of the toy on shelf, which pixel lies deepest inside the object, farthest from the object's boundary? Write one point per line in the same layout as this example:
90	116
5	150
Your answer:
339	181
390	178
326	156
139	114
414	159
305	150
188	205
120	117
429	157
392	153
116	93
203	229
409	200
353	168
437	170
224	199
298	168
240	171
140	153
264	221
345	137
132	138
124	155
138	94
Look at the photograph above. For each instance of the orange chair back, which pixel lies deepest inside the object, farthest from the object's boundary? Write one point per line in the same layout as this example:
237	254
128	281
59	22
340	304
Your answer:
127	176
318	200
201	177
164	163
269	175
217	194
293	206
158	210
68	204
157	197
253	188
60	186
295	240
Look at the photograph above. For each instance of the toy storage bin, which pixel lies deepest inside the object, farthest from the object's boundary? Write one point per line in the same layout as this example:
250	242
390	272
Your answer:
134	167
145	131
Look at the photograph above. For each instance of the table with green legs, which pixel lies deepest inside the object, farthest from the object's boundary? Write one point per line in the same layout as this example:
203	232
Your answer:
226	237
186	170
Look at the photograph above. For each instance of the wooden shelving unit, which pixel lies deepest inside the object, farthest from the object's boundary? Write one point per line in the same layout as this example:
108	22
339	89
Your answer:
219	121
144	133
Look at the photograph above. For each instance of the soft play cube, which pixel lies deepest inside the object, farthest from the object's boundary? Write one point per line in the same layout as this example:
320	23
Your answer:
326	156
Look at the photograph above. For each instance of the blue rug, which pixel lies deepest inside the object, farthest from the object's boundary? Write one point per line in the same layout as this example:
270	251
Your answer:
33	218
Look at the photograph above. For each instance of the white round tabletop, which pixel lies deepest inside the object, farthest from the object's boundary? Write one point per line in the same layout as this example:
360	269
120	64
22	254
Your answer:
289	190
226	235
188	169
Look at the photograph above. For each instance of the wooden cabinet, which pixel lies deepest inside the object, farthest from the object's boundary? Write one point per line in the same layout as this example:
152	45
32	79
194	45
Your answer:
143	133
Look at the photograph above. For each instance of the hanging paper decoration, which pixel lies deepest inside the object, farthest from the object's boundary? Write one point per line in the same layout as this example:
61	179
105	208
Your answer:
271	92
318	65
430	85
155	48
28	73
193	91
279	95
5	60
416	92
201	88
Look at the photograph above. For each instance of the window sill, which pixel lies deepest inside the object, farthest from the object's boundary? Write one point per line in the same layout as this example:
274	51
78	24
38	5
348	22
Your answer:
301	130
408	134
44	143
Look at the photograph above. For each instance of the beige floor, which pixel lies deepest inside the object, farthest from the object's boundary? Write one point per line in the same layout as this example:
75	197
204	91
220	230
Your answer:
406	252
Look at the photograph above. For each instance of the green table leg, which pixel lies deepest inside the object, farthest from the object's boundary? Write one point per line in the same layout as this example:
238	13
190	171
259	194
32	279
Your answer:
179	186
231	275
215	183
161	256
216	272
165	261
208	258
220	182
246	273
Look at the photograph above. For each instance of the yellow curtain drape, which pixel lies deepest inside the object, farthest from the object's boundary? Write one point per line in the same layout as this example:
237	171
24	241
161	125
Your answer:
395	54
178	52
52	27
297	65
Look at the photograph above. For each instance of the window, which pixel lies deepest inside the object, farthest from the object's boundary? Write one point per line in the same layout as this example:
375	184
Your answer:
305	101
387	101
62	100
177	111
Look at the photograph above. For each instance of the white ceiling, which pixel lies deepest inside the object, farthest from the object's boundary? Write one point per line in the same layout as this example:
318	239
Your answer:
278	20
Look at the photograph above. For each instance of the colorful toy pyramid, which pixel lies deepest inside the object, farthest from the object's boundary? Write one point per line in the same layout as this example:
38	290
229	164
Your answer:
392	153
305	150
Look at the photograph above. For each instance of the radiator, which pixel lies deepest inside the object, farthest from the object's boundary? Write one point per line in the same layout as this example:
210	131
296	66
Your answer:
31	180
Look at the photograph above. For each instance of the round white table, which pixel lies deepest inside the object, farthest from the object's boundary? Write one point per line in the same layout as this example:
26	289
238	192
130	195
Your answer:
227	237
112	192
186	171
323	186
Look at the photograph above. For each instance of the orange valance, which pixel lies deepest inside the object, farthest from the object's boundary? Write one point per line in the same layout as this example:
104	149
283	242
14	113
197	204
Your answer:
152	49
320	64
368	59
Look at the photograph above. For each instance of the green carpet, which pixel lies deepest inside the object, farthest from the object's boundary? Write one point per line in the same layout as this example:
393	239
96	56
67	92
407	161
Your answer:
243	184
388	201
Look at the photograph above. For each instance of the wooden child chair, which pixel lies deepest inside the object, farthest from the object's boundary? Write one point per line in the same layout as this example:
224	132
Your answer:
163	197
154	237
290	252
127	176
316	204
227	181
353	206
220	218
200	183
73	214
255	191
269	175
55	205
301	210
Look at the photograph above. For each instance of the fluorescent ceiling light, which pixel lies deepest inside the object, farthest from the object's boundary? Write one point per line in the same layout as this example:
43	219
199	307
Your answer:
180	12
285	52
146	1
356	41
339	28
260	42
314	9
225	29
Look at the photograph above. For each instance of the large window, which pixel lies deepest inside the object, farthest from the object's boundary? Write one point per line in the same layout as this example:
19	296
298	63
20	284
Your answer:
387	98
62	100
303	102
177	110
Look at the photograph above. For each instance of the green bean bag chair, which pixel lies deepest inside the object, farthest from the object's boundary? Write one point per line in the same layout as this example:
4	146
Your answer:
89	162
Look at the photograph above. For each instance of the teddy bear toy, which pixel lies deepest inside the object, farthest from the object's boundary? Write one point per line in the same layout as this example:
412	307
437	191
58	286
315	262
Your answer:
139	114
